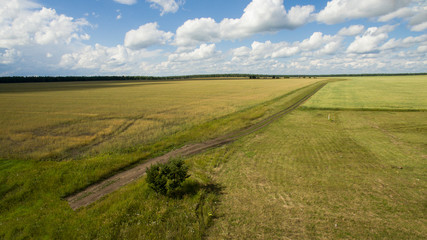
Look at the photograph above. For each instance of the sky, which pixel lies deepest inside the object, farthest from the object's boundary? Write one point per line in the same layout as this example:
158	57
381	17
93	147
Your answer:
183	37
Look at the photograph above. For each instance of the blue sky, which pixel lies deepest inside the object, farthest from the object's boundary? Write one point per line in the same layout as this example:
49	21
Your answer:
180	37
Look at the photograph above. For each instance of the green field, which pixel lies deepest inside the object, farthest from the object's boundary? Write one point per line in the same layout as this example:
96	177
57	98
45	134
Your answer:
349	164
374	93
360	176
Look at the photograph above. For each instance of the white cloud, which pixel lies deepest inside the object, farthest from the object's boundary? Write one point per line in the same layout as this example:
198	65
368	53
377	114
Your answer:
353	30
400	13
259	16
166	6
119	16
316	40
95	57
317	54
205	51
337	11
24	23
370	40
286	51
265	16
416	15
419	27
9	56
330	48
110	60
197	30
317	44
127	2
241	51
404	43
145	36
422	48
418	22
39	41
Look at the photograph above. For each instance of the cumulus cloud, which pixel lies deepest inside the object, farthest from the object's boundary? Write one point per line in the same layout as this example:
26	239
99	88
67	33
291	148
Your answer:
400	13
205	51
102	59
317	44
418	21
259	16
337	11
416	15
419	27
405	43
9	56
145	36
127	2
317	54
197	30
353	30
369	42
166	6
24	23
91	57
265	16
422	48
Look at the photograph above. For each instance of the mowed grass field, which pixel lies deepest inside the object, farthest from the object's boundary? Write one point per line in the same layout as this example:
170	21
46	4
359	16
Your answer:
360	176
330	174
375	93
59	138
324	171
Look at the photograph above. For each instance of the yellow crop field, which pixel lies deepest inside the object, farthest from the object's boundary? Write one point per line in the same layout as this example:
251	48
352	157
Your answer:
39	120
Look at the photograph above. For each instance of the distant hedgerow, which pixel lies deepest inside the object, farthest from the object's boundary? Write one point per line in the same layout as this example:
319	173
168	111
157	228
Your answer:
168	177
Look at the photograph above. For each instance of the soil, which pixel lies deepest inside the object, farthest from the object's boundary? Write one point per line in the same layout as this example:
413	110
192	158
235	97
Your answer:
111	184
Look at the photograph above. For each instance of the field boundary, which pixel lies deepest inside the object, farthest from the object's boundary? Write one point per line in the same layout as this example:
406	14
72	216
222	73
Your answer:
98	190
364	109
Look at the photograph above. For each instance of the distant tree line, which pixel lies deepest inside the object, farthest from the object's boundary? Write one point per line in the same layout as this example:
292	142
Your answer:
27	79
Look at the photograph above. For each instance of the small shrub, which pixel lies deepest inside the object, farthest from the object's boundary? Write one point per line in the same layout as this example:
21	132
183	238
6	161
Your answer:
168	177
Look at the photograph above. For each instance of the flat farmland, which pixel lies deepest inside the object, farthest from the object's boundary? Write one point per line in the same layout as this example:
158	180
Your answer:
360	176
328	173
58	138
381	93
44	120
350	163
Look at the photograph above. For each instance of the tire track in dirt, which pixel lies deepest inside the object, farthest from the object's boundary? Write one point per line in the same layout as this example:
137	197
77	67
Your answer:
111	184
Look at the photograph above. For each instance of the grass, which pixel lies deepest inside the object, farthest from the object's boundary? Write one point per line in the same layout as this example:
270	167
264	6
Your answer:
325	173
39	120
356	175
305	177
31	190
374	93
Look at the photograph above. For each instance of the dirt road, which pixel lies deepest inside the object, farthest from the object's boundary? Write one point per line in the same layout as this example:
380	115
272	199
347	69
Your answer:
98	190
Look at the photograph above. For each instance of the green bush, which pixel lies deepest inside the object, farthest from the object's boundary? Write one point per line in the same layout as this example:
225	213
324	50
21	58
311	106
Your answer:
168	177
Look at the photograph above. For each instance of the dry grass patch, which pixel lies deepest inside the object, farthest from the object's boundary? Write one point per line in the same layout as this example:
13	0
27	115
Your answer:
63	110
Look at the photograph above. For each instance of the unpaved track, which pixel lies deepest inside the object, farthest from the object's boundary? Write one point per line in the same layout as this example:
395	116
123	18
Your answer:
98	190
